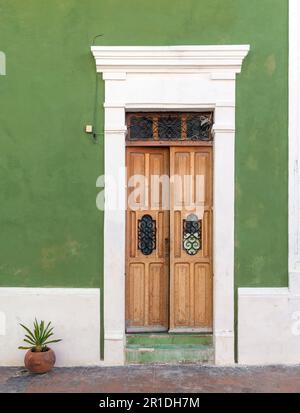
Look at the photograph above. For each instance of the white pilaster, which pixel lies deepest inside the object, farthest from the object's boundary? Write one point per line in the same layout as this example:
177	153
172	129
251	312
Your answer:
114	219
223	235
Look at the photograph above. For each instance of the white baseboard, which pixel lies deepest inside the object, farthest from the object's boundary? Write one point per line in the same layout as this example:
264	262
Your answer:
74	313
268	326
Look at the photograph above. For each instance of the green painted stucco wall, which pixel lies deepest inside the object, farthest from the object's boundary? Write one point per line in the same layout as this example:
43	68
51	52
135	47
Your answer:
50	229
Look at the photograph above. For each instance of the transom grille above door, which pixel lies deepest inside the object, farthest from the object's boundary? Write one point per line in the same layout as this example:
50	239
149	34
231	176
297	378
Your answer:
170	126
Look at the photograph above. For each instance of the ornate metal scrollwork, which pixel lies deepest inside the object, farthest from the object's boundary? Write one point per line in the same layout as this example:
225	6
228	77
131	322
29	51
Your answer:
170	126
141	127
199	127
192	234
146	235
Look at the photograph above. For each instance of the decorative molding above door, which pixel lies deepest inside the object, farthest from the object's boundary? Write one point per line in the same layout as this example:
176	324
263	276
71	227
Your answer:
222	61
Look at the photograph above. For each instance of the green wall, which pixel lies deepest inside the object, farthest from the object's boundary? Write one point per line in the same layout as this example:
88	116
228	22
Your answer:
49	225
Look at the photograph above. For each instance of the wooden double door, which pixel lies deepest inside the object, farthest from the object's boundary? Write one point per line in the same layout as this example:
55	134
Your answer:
169	239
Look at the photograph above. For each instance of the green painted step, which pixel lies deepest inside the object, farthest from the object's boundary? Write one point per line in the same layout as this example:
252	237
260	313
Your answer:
165	356
169	348
157	339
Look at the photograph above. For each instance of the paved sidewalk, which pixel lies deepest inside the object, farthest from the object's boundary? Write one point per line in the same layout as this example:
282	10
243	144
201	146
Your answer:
186	379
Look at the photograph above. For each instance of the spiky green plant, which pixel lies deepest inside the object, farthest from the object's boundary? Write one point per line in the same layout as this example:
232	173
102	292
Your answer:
38	338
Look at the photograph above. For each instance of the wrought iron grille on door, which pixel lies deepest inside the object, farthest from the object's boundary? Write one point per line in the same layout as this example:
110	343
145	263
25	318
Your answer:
147	234
192	234
170	126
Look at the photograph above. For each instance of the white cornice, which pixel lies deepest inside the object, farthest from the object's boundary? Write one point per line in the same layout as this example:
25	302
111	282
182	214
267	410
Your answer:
122	59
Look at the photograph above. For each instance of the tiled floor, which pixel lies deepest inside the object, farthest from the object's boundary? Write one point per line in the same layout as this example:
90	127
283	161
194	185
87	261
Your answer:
157	379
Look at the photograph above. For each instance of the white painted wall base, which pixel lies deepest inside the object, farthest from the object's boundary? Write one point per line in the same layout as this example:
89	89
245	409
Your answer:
268	326
73	312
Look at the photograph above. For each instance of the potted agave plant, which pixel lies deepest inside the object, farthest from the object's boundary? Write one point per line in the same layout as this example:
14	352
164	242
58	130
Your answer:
39	357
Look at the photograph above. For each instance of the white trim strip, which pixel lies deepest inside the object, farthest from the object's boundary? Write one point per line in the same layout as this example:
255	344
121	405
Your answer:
223	128
114	335
171	105
16	291
115	131
263	292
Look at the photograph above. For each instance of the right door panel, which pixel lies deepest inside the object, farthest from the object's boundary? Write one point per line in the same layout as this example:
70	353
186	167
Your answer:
191	239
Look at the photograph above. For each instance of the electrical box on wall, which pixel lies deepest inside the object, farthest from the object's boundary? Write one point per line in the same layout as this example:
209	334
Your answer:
89	128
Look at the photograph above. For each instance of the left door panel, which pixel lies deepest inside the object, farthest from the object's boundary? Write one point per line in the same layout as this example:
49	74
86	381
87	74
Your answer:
147	240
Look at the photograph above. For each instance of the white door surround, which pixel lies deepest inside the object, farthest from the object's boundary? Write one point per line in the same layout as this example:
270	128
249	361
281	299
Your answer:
170	78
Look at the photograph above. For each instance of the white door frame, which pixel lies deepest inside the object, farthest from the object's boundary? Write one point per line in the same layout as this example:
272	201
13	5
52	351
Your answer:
169	78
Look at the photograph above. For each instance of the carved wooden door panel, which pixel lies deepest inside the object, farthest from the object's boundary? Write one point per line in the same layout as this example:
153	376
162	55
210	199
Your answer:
169	246
190	239
147	236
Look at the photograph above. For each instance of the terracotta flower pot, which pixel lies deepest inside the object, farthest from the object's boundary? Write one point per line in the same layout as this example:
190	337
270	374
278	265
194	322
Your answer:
39	362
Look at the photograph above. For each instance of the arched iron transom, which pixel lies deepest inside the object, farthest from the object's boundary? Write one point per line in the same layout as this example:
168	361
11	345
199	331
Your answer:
192	234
